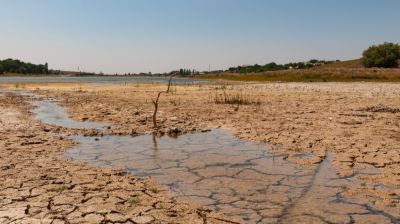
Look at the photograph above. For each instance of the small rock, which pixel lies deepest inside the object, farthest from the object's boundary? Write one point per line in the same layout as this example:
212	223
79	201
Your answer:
142	120
160	133
205	130
142	219
174	130
93	218
115	217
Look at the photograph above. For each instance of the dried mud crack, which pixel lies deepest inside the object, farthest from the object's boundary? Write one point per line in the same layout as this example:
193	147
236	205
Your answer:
37	185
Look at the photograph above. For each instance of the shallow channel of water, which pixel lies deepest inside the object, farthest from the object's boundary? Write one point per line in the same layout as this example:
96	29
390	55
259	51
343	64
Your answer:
239	178
52	113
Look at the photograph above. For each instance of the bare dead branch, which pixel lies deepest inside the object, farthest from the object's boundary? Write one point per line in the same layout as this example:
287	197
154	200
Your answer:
155	102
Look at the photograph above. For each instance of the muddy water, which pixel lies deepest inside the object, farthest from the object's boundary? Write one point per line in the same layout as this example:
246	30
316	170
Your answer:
242	179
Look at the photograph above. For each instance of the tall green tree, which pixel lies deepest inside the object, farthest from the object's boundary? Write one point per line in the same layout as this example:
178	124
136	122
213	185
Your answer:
385	55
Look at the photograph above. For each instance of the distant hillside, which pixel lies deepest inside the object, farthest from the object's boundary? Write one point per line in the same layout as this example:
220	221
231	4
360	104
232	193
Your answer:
356	63
351	70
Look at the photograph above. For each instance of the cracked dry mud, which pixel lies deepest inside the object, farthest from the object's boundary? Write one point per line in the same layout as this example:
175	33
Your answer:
37	185
239	178
308	119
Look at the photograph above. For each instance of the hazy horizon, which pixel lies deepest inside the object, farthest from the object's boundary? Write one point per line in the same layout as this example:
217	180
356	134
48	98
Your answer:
159	36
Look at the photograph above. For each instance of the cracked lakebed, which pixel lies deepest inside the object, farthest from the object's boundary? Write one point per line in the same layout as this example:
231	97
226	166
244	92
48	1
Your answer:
239	178
38	185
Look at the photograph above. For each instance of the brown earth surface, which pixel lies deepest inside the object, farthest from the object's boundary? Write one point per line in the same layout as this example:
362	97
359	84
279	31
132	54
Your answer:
359	123
38	185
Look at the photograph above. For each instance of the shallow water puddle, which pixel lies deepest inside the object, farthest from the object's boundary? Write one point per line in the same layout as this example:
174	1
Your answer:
51	113
212	169
239	178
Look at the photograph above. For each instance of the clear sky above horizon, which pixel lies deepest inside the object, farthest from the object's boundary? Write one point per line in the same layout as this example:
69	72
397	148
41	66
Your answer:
120	36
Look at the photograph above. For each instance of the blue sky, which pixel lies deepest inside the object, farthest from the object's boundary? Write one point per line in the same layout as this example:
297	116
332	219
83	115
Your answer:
162	35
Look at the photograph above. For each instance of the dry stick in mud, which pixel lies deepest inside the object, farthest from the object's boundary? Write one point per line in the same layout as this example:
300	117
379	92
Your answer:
155	102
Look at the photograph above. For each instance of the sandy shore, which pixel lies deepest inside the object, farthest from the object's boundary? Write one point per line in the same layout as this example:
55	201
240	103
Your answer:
359	123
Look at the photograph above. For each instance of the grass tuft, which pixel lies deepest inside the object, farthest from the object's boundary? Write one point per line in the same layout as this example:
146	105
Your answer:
154	190
236	98
344	187
134	201
60	189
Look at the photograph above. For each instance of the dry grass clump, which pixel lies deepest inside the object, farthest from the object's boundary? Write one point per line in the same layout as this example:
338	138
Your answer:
235	98
20	85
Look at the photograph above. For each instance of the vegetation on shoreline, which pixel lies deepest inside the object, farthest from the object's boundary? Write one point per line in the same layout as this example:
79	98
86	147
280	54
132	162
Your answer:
16	66
278	67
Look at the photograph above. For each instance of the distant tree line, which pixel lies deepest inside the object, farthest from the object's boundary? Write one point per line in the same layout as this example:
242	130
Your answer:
277	67
188	72
17	66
